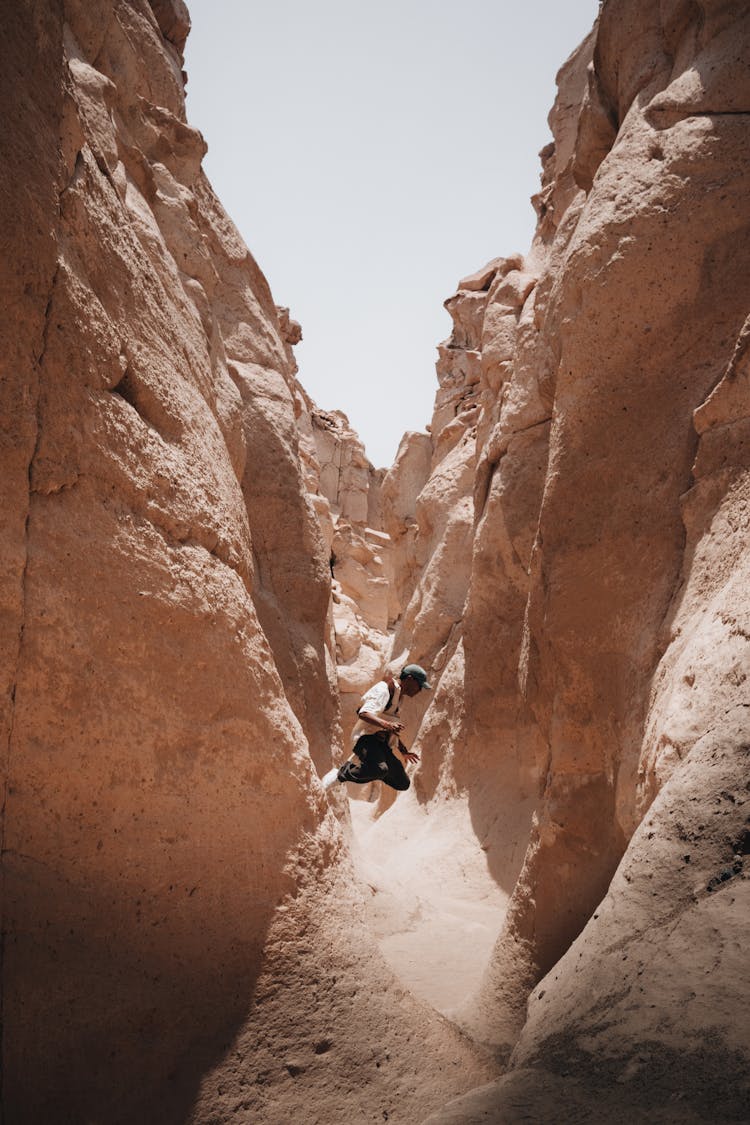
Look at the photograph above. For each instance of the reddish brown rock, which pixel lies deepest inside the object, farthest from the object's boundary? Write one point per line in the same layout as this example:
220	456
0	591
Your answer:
344	489
606	655
601	381
181	934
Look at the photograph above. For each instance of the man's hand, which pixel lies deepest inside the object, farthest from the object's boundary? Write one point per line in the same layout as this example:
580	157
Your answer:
389	726
408	754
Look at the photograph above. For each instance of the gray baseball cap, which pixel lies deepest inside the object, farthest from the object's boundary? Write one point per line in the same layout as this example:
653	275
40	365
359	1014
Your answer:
418	673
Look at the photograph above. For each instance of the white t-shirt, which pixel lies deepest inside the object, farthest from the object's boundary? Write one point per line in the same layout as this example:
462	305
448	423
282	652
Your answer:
374	702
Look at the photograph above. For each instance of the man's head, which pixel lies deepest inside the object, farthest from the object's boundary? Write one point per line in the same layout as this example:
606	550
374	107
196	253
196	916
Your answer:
413	680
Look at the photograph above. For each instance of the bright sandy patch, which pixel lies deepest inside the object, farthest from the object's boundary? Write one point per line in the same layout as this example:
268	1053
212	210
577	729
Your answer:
434	908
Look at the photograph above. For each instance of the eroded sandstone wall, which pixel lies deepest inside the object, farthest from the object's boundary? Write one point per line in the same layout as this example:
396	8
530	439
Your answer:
604	656
462	573
181	935
345	491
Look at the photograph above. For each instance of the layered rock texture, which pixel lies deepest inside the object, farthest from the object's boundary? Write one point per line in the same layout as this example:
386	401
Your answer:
345	491
202	571
182	936
595	707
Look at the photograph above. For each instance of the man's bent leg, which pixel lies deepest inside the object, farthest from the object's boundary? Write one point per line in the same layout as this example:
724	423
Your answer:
372	765
396	777
358	773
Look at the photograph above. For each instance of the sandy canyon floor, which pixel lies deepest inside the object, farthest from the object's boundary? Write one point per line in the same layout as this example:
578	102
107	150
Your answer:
434	908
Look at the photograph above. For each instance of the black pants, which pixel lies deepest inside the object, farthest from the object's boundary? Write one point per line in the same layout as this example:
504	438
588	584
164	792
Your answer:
377	763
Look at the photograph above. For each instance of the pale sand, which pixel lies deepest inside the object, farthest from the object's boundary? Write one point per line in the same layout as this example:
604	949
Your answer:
434	909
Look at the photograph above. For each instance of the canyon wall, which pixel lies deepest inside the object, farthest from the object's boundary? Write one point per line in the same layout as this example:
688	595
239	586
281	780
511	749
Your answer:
595	705
345	491
182	936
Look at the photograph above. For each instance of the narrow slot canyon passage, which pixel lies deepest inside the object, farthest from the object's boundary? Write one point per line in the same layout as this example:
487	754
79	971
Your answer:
204	574
433	906
400	546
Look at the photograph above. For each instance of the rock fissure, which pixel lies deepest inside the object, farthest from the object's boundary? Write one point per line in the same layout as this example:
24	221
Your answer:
54	488
35	413
18	643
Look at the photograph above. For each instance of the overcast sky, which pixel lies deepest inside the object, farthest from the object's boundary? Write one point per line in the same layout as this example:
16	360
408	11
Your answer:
371	156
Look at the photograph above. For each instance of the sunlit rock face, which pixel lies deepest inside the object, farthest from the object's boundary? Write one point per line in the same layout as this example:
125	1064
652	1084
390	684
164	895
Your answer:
345	491
182	937
604	656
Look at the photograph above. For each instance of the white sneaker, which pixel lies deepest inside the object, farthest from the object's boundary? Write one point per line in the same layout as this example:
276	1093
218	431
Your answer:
330	778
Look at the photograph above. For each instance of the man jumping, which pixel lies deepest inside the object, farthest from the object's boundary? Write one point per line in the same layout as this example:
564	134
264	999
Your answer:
375	734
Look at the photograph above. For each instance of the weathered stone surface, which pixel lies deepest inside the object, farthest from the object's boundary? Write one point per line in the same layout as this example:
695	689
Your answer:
174	22
645	1018
345	491
594	398
401	486
181	934
604	642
